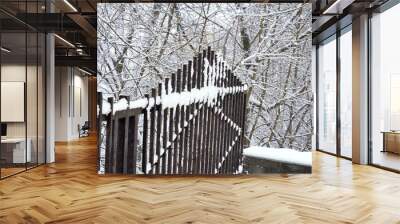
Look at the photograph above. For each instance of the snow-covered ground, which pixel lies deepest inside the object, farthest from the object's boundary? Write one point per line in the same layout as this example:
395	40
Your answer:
283	155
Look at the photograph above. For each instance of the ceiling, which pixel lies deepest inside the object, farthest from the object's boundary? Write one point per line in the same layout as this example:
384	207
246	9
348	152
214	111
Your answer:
332	15
74	22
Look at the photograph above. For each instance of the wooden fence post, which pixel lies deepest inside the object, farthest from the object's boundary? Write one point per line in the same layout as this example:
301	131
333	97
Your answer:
145	133
165	130
177	154
186	124
243	119
109	138
158	136
152	130
133	143
189	132
229	114
203	113
99	126
196	138
122	151
172	152
182	126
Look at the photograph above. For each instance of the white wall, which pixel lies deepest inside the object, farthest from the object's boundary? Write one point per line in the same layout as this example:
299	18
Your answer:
80	94
17	73
61	103
12	73
33	126
71	87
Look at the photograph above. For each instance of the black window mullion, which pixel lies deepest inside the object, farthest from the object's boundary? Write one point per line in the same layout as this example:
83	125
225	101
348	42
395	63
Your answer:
46	3
26	86
338	82
37	89
369	80
317	96
0	91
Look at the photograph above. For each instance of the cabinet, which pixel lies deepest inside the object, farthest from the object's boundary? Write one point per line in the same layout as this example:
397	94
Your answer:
391	141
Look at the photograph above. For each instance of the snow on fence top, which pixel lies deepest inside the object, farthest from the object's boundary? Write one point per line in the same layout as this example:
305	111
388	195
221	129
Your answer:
279	155
206	94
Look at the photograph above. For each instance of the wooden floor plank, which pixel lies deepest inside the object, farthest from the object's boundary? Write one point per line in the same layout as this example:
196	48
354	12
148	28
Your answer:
70	191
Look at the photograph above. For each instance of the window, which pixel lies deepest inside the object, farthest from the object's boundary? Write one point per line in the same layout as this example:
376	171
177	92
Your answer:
22	76
327	96
346	93
385	89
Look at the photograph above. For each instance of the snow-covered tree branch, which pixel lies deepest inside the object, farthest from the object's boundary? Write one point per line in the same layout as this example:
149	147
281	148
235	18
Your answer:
267	45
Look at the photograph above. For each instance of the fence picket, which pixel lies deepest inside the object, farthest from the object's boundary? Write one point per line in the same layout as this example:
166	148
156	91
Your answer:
165	135
191	82
207	118
144	142
219	122
115	144
228	114
171	153
99	98
203	111
152	130
187	148
196	145
109	133
125	153
177	126
182	148
158	131
133	142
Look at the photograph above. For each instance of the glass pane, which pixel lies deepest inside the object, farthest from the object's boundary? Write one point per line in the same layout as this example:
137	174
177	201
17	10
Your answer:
41	99
23	90
327	96
386	89
13	86
346	93
32	95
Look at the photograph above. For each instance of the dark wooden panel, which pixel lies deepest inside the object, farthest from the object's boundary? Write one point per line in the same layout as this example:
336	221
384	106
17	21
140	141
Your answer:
196	138
133	142
145	138
187	151
109	134
171	148
181	164
165	133
158	134
126	145
152	130
99	128
177	152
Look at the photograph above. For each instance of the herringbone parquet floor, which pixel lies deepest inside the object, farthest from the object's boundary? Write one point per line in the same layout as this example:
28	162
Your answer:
70	191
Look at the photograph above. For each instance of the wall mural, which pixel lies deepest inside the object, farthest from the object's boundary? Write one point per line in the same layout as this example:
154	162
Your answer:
204	88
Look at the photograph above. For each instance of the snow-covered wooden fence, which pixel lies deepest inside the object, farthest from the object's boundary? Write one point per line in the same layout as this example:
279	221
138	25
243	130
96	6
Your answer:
193	123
